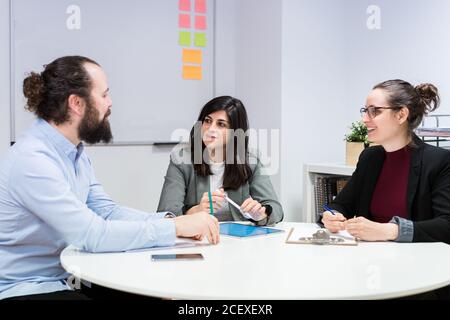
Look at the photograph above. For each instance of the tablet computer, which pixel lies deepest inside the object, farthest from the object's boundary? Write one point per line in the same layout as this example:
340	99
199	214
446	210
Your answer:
242	230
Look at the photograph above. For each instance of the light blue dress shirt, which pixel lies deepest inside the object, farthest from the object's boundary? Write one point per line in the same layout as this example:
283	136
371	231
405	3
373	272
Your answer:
49	198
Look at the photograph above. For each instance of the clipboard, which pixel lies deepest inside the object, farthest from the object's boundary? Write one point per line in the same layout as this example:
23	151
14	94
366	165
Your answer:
320	237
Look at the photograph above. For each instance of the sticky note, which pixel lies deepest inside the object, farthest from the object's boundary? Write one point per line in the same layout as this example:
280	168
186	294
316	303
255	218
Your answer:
184	21
200	39
192	56
184	5
192	72
200	22
200	6
184	38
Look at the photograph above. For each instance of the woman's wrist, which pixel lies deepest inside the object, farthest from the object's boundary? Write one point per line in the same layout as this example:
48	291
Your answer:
391	231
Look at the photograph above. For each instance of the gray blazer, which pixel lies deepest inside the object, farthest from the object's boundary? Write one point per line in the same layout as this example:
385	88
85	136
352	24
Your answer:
183	188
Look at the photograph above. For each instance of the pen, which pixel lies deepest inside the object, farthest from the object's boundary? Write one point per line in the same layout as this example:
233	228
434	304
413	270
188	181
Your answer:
327	208
234	204
211	209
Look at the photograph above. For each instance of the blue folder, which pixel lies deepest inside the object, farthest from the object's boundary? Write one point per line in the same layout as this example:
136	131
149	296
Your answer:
243	230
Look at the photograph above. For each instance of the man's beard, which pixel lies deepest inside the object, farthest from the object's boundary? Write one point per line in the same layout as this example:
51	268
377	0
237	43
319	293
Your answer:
91	130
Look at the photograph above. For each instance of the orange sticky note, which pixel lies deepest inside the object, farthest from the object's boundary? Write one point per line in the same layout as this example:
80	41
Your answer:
200	6
192	72
184	21
184	5
192	56
200	22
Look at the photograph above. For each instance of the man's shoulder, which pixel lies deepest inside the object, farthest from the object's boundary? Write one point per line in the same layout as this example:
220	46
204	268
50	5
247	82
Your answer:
31	152
31	145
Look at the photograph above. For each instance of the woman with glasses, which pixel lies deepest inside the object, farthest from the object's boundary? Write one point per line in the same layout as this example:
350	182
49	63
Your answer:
217	167
400	190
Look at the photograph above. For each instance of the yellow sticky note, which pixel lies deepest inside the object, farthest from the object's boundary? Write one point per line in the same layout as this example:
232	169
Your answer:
184	38
192	72
192	56
200	39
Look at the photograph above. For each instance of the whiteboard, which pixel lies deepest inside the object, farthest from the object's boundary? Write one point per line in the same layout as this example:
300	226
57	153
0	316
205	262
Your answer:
137	44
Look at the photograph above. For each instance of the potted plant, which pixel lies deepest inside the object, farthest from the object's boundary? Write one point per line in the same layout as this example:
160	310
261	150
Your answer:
356	141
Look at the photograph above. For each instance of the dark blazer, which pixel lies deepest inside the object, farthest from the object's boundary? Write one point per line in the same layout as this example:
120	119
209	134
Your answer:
428	199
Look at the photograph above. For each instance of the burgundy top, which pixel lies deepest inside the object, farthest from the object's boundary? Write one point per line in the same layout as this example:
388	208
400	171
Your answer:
389	198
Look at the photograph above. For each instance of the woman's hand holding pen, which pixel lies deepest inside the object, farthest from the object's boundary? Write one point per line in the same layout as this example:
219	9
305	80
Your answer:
254	208
333	222
217	196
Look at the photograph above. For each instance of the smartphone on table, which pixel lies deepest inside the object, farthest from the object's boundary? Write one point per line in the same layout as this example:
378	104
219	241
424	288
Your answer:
177	256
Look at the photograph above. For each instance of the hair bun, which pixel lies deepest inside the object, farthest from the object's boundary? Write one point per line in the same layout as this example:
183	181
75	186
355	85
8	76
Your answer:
33	90
429	95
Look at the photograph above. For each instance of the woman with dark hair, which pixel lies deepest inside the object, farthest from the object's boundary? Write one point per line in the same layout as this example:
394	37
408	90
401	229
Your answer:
400	190
218	160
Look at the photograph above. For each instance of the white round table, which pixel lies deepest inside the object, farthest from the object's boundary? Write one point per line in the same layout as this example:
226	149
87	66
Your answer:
266	267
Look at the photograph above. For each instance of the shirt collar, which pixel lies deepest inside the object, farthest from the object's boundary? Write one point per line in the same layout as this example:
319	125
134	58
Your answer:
60	141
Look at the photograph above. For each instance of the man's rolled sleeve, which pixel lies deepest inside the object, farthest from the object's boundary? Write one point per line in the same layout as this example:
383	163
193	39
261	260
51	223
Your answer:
162	231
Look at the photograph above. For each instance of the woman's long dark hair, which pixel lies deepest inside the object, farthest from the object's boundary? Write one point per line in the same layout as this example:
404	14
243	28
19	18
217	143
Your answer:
238	172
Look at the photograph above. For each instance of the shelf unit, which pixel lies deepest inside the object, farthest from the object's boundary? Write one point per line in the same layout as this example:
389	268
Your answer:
310	172
437	134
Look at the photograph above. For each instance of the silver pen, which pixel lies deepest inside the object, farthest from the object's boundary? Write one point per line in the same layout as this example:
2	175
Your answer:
234	204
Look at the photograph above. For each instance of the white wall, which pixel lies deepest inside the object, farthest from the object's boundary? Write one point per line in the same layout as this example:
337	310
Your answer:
258	67
4	75
314	110
331	60
411	45
225	47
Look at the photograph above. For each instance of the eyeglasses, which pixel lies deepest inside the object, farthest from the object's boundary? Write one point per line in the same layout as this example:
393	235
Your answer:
372	112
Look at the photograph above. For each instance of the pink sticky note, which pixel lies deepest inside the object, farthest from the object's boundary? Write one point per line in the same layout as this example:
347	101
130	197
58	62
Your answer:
200	22
200	6
185	5
184	21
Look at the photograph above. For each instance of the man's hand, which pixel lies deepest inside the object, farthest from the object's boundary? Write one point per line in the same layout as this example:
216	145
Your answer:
197	226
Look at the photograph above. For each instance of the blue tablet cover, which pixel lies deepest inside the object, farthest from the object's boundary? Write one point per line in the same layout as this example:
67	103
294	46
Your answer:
243	230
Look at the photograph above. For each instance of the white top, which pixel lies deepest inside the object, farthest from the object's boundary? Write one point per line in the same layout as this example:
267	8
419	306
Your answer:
266	267
216	179
215	183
